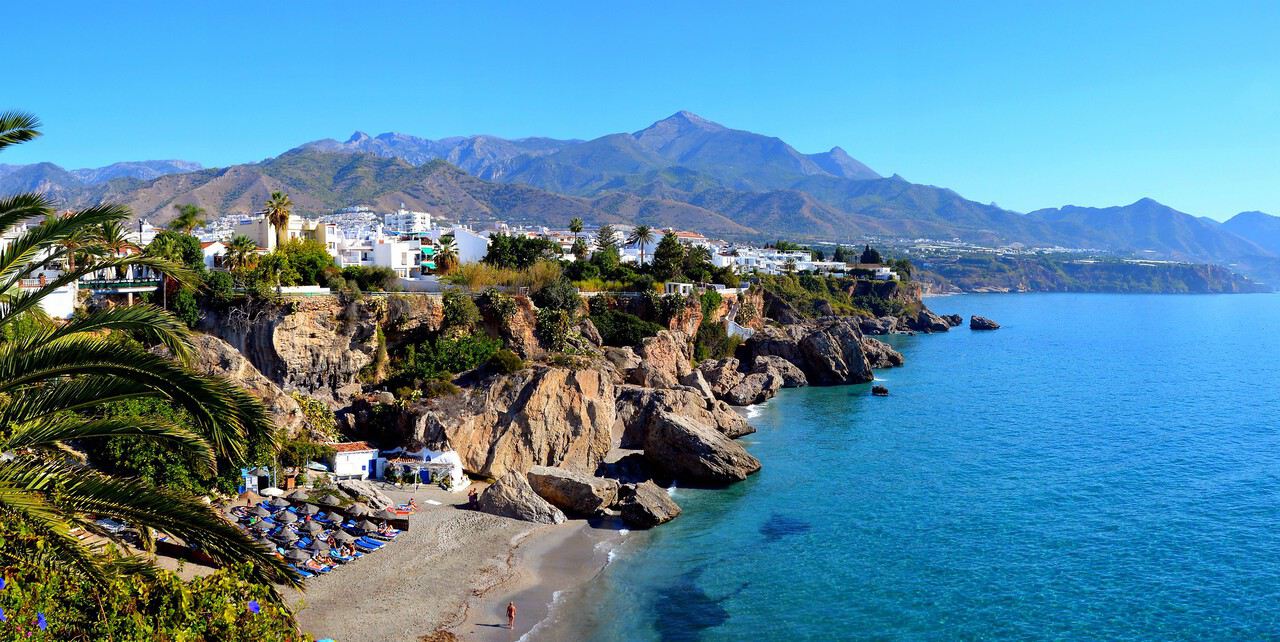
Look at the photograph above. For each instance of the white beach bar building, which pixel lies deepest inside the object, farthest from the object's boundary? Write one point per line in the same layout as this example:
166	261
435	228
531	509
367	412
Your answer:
353	460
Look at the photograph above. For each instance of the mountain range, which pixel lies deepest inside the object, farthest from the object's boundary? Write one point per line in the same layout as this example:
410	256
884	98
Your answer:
683	171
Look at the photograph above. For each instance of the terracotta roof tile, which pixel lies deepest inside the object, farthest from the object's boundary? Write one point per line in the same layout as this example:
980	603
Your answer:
352	446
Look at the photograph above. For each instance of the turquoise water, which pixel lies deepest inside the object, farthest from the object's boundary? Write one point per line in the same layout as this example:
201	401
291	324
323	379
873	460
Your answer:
1103	467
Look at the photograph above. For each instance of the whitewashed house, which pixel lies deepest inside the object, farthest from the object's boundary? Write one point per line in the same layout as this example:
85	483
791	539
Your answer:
353	460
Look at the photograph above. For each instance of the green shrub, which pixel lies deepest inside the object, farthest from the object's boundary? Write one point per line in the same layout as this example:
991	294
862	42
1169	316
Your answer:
369	278
497	305
713	342
506	362
618	328
297	452
445	357
554	328
460	313
560	295
440	388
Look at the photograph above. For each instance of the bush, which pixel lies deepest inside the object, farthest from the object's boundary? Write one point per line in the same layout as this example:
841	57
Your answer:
297	452
713	342
445	357
506	362
371	278
497	305
560	295
618	328
219	288
185	306
440	388
460	313
554	328
309	259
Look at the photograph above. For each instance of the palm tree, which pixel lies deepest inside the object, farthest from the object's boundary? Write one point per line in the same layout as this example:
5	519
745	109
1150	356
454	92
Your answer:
242	254
446	255
575	226
277	212
113	237
190	216
54	380
789	266
641	236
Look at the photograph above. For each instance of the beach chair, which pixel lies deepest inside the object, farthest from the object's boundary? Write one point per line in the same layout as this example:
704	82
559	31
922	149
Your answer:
371	543
303	573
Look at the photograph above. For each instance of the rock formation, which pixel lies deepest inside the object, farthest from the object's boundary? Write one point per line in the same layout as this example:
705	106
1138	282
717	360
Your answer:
646	505
573	493
217	357
982	323
639	407
664	360
953	320
694	452
827	350
789	373
541	416
880	355
363	491
512	496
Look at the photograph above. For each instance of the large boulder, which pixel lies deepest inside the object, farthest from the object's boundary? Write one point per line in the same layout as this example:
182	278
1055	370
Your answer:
880	355
216	357
953	320
828	350
540	416
364	491
697	381
646	505
791	376
572	492
877	325
754	388
982	323
512	496
638	408
694	452
924	321
664	360
721	375
519	330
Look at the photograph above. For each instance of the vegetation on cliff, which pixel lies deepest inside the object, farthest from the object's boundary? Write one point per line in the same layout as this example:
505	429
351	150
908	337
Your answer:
1070	273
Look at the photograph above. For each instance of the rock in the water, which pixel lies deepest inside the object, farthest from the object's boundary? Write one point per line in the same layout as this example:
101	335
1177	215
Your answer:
694	452
953	320
982	323
646	505
512	496
572	492
637	408
217	357
880	355
926	321
364	491
792	376
757	387
828	351
880	391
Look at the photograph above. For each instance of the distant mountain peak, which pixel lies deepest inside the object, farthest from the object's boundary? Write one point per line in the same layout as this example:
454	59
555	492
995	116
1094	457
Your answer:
358	137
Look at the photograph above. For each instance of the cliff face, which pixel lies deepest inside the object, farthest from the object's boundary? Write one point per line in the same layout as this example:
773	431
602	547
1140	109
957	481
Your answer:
215	356
319	346
544	416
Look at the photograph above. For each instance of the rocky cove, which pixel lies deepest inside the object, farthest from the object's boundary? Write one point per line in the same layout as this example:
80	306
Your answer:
599	431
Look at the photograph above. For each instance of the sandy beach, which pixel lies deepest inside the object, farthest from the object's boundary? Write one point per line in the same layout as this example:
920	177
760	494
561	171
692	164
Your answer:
454	570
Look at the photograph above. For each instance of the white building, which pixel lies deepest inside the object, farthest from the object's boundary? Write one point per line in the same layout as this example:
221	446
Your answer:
404	221
213	252
353	460
405	257
472	246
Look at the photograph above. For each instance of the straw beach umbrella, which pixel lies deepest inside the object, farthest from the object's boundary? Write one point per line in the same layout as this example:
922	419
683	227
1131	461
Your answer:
329	500
278	502
298	555
308	509
386	514
318	546
287	517
287	535
366	525
299	495
260	511
313	527
261	526
358	509
343	536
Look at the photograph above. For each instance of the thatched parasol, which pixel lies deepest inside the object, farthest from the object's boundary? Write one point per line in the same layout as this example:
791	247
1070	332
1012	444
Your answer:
299	495
358	509
385	514
260	511
318	546
298	555
287	535
343	536
329	500
278	502
287	517
313	527
366	525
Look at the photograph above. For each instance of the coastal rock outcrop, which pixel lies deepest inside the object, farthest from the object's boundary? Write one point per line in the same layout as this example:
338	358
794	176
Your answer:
664	360
879	354
953	320
512	496
692	451
791	376
729	383
518	331
573	493
827	350
639	407
877	325
646	505
924	321
982	323
217	357
540	416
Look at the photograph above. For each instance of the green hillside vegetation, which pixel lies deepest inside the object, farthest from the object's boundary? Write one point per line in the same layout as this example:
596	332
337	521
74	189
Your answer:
1071	274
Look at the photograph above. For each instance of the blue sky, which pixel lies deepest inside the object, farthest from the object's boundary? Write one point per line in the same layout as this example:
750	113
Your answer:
1026	104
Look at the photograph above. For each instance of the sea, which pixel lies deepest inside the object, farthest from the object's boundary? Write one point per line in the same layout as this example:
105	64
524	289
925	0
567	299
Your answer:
1103	467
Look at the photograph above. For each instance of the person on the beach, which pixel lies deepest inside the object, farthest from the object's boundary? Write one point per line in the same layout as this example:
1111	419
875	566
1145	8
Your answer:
511	615
471	498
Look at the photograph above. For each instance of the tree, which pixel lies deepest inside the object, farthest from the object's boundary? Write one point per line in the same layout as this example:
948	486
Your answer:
54	380
869	255
839	256
606	238
580	250
668	258
641	236
115	241
575	226
190	216
277	211
519	252
446	255
241	255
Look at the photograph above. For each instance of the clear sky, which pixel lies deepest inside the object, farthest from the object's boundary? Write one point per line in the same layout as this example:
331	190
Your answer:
1027	104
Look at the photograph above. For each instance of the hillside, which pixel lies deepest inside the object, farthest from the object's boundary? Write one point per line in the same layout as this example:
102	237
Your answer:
1067	274
1261	229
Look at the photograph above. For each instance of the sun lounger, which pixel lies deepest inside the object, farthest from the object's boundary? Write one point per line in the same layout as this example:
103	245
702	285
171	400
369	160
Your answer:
371	543
303	573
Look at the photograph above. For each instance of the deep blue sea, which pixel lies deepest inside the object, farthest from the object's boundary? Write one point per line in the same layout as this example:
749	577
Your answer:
1103	467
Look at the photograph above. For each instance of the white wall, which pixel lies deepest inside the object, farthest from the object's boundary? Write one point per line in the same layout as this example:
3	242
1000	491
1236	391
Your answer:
353	464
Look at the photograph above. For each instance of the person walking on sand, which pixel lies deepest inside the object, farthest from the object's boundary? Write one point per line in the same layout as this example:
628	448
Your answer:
511	615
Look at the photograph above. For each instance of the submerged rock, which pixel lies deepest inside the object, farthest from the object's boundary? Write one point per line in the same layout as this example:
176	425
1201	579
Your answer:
879	391
646	505
512	496
572	492
982	323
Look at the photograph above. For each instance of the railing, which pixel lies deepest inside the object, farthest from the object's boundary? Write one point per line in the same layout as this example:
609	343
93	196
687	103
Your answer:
116	284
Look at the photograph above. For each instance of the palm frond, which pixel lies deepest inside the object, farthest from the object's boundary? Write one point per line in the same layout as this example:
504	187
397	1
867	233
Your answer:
148	322
53	430
21	207
17	127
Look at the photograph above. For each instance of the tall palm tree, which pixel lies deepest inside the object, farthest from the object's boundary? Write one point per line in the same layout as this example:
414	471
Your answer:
114	239
277	212
190	216
54	380
575	226
446	255
641	236
242	254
